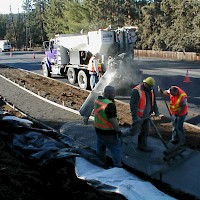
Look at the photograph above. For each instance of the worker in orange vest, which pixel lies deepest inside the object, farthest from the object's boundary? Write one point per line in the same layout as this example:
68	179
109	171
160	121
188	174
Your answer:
178	112
142	105
107	127
95	70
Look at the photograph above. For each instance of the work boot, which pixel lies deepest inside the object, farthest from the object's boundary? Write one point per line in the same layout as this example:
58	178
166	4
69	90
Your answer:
142	144
174	141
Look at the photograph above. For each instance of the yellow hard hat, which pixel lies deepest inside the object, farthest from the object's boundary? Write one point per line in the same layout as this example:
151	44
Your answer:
150	81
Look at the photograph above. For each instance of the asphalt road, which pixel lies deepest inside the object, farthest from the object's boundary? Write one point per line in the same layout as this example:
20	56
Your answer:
165	72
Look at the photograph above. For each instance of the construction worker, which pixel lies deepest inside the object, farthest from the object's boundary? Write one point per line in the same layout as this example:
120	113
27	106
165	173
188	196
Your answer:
142	105
178	112
93	70
107	127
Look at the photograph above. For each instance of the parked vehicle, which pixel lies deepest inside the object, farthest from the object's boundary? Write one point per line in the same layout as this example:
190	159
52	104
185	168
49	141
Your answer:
5	45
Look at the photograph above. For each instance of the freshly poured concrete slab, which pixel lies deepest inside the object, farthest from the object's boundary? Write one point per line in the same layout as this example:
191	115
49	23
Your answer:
182	172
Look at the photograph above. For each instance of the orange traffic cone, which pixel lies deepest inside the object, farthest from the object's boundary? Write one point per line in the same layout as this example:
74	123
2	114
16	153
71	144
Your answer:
33	56
187	78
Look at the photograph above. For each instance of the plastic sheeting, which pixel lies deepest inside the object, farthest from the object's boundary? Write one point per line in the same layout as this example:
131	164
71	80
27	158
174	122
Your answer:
18	121
44	145
118	180
36	144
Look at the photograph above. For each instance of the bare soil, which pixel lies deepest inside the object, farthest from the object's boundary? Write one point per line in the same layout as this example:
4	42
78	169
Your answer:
21	181
74	98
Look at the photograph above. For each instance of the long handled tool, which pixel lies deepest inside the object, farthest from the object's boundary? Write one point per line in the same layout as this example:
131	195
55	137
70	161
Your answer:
175	126
165	103
167	106
172	152
157	131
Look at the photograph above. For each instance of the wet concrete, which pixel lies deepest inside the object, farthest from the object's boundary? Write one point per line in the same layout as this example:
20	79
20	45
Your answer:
180	173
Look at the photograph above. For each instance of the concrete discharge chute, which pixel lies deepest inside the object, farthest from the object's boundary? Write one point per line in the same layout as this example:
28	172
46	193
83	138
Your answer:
117	75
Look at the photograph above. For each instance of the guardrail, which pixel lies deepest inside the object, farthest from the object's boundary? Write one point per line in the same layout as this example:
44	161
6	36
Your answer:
168	54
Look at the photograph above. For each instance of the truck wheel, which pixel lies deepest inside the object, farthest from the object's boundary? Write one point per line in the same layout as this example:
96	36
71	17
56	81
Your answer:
71	75
45	70
83	80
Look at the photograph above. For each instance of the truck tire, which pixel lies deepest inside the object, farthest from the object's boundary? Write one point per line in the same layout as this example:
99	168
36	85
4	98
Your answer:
71	75
83	80
45	70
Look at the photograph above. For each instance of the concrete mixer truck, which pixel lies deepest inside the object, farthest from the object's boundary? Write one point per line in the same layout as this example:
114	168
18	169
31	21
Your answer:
69	54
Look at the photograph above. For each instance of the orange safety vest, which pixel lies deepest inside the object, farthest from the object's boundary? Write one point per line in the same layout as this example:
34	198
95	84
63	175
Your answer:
142	103
175	102
101	119
91	65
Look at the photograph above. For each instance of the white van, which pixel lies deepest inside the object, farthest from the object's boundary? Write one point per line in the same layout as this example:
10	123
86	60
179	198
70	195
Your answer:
5	45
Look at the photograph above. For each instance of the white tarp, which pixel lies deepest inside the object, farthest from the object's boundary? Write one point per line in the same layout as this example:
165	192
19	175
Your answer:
118	180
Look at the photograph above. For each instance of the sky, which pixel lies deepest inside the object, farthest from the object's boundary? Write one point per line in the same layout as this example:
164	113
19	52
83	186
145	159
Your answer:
15	6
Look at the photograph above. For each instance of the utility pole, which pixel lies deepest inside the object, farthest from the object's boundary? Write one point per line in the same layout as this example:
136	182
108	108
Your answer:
27	22
26	33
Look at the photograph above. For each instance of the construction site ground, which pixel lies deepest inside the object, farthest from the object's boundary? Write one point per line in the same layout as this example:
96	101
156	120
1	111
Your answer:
179	177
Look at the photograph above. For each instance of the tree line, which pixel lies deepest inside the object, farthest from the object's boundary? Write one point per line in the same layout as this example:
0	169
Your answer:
170	25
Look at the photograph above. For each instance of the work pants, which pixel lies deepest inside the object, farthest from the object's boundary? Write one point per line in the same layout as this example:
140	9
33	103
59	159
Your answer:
178	132
141	128
93	80
114	144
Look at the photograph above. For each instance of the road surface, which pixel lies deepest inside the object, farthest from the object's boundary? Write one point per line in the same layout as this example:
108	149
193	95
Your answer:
185	74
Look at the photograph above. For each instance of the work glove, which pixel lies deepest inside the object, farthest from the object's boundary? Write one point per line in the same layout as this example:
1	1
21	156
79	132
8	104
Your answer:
160	116
157	115
119	134
173	119
160	90
125	132
100	75
137	120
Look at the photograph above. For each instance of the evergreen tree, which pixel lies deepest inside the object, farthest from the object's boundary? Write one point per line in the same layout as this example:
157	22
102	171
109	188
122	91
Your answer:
14	29
182	31
3	21
114	13
38	33
77	17
53	18
163	24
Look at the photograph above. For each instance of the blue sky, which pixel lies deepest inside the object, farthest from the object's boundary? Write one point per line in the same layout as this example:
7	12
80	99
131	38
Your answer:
15	6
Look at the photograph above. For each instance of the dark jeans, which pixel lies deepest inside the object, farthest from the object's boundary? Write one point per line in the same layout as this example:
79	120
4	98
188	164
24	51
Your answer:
141	128
178	132
114	144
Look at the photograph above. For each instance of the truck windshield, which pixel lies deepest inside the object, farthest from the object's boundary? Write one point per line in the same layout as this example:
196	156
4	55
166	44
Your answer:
46	45
7	43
